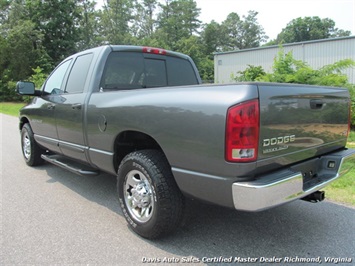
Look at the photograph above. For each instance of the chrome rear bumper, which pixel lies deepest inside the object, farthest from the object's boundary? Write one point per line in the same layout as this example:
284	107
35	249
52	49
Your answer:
288	185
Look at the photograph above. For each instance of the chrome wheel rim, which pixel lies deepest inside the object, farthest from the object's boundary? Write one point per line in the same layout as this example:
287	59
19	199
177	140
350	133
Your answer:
26	146
138	196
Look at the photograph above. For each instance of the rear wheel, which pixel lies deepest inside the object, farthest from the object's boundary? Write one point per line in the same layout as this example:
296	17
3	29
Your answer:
30	149
149	196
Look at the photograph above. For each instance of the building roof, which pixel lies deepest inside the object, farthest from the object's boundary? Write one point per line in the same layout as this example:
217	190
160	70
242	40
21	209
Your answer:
285	45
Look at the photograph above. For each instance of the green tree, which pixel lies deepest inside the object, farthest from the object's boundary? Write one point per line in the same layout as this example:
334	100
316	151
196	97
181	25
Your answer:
211	38
23	49
178	19
309	28
115	18
193	46
253	33
232	32
20	47
88	23
145	21
241	33
206	69
3	49
58	21
4	11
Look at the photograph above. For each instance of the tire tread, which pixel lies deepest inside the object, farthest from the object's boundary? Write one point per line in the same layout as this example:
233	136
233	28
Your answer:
171	200
36	150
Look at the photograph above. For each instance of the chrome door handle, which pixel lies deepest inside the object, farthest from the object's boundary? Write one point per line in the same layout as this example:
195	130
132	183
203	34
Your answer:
51	106
76	106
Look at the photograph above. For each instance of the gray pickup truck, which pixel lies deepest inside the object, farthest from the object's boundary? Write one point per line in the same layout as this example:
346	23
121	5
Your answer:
141	113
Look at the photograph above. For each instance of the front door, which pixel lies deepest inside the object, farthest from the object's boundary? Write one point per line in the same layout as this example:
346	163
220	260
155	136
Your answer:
43	120
70	111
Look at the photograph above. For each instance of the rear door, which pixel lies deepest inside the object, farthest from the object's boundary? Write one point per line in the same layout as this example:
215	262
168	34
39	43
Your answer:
70	111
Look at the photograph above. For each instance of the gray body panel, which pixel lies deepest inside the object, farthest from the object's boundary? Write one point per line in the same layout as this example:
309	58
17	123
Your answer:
188	123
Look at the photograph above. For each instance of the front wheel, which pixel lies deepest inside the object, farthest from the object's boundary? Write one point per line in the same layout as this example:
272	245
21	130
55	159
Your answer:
30	149
149	196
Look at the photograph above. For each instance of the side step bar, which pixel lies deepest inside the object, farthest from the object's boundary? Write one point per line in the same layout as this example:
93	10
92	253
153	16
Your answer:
72	166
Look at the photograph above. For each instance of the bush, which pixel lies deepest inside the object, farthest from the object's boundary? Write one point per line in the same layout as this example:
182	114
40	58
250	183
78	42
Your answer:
8	88
252	73
8	93
38	77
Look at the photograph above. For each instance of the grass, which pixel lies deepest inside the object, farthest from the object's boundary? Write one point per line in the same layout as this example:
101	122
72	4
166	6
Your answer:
342	190
351	138
11	108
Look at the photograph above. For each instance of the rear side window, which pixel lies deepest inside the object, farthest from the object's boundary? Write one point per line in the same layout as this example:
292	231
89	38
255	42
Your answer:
130	70
78	74
123	70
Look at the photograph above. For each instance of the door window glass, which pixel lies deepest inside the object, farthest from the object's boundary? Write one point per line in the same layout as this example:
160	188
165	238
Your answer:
54	82
78	74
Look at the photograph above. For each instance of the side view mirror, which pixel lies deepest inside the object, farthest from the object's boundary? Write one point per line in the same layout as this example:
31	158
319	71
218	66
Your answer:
25	88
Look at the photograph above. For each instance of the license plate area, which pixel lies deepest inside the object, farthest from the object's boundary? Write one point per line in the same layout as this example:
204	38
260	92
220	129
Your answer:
317	171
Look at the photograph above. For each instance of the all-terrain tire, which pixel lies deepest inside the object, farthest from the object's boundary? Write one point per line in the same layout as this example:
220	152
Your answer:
30	149
148	194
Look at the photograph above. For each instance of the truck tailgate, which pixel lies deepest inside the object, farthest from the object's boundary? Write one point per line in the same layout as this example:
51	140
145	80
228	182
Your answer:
298	122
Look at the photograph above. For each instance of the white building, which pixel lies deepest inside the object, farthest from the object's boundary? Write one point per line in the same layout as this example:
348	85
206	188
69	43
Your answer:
316	54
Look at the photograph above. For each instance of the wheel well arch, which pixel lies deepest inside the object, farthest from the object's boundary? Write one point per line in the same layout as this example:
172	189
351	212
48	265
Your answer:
130	141
23	121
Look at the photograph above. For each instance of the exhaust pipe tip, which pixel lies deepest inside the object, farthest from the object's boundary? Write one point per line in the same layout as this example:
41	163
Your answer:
315	197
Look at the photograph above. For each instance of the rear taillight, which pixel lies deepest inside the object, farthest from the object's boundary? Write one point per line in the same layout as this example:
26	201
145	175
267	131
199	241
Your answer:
151	50
242	132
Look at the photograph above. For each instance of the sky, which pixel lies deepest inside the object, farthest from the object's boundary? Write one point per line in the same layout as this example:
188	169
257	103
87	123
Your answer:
274	15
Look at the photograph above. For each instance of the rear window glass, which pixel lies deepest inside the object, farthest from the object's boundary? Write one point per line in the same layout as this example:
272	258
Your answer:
129	70
155	73
180	72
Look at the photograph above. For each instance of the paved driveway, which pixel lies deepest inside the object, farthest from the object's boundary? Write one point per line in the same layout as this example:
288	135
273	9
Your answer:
51	216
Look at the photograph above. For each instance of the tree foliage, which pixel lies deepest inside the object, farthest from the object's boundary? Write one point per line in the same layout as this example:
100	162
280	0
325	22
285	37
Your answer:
88	24
58	21
309	28
177	20
145	21
234	33
251	73
115	18
35	35
286	69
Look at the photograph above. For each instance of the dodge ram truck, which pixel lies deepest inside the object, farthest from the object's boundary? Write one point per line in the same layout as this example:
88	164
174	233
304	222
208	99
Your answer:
142	114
